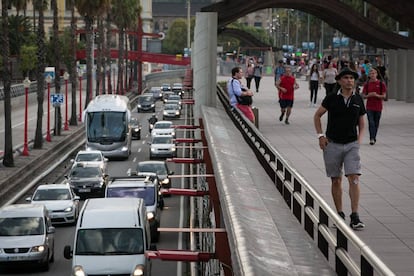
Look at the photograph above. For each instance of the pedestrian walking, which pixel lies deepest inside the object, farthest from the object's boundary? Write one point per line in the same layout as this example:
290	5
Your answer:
258	68
313	84
249	74
374	91
279	71
286	86
328	76
240	96
341	142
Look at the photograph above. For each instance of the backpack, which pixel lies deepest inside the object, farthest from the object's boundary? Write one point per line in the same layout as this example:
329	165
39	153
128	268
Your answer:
243	100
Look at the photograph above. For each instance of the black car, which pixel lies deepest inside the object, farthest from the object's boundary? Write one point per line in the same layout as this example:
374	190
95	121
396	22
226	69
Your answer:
135	128
87	180
146	102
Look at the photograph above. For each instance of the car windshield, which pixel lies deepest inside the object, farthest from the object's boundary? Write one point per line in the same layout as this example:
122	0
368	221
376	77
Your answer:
162	140
174	97
110	241
143	99
52	194
162	125
134	121
147	193
170	107
159	169
85	172
21	226
88	157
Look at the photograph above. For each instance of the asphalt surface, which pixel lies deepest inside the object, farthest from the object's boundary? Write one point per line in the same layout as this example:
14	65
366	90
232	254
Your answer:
387	186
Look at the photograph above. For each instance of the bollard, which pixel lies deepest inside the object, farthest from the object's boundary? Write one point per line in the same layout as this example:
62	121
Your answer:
256	116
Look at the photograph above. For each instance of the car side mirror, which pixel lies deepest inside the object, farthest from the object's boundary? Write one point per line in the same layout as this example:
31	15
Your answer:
28	199
106	159
76	198
51	230
170	173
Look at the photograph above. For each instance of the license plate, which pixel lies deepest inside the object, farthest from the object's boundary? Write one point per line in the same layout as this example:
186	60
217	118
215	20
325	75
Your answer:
85	190
16	258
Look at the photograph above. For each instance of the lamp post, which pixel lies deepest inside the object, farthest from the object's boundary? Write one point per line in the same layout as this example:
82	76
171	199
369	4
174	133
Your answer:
26	84
48	81
66	78
80	96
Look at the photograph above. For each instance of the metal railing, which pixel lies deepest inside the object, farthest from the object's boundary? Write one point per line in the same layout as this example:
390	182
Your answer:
309	208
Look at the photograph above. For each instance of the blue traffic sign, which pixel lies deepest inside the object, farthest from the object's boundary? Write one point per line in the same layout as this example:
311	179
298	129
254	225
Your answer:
56	99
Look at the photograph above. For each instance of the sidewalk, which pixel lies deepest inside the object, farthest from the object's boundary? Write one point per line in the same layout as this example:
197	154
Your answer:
387	187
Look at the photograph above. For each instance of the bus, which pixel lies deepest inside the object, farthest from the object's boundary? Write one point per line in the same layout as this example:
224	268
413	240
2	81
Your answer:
107	126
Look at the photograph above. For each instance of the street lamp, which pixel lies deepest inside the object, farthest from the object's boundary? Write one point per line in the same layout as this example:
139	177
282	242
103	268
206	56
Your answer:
66	78
80	95
48	81
26	84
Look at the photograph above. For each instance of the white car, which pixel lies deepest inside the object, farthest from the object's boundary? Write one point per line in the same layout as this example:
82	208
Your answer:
60	201
171	110
92	157
163	128
163	146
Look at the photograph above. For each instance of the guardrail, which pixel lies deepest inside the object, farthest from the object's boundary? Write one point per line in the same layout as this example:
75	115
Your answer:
309	208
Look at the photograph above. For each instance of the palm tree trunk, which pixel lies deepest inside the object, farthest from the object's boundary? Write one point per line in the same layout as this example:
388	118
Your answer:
108	53
38	141
73	72
89	53
8	160
58	115
120	88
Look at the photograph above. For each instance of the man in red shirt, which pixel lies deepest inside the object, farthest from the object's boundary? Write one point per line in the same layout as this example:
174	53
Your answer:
286	86
375	92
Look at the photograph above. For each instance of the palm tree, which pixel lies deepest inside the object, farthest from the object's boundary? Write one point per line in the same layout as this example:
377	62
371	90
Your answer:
56	57
89	9
72	65
40	5
124	12
8	160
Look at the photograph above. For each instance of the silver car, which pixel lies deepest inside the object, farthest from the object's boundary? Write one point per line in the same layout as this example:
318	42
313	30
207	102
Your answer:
163	146
160	168
60	201
171	110
26	235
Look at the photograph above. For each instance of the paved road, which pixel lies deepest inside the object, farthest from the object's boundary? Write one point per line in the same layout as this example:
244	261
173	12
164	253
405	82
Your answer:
387	186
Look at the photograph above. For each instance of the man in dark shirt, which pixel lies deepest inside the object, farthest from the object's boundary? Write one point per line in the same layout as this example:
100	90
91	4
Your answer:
340	145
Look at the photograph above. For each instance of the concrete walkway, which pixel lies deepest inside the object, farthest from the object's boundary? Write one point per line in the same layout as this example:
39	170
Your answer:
387	186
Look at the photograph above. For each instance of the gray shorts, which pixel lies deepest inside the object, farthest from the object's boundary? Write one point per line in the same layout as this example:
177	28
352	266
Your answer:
337	156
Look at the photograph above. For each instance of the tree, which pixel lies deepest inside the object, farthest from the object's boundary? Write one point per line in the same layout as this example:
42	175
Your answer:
89	9
40	5
28	59
8	160
175	39
56	62
72	62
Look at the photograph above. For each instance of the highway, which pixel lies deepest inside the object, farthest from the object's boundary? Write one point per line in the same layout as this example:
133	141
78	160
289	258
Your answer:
173	215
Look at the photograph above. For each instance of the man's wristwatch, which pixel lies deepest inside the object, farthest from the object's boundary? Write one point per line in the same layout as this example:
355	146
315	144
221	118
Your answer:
321	135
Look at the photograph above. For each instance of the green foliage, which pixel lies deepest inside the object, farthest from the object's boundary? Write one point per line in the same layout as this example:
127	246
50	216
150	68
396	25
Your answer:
176	38
20	32
28	58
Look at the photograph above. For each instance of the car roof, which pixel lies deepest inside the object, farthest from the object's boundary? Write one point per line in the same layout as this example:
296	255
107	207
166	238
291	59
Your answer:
89	151
22	210
163	122
53	186
151	162
134	181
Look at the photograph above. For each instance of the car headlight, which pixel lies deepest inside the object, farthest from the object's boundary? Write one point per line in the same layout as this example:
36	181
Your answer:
136	129
173	149
139	105
152	105
150	215
68	209
177	112
124	149
39	248
100	184
165	112
165	181
138	271
173	133
152	149
78	271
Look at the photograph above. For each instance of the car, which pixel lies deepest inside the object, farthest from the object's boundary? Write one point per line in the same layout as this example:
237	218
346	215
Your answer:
146	186
162	146
165	87
158	167
171	110
94	157
177	88
60	201
163	128
166	95
146	102
26	235
87	180
135	128
156	92
175	99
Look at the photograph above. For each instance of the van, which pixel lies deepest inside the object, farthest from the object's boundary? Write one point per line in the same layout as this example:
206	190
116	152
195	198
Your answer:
111	238
26	235
144	186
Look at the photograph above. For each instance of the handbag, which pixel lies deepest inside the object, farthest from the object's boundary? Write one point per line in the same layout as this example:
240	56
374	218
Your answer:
243	100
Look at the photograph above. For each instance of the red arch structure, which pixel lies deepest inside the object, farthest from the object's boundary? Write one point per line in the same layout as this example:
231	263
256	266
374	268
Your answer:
333	12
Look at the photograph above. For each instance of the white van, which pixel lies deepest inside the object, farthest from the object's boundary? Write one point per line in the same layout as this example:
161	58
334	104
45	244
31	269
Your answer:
111	237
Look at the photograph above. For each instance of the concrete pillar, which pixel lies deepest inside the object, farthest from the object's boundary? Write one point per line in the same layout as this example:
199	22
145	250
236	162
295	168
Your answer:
410	80
402	75
204	61
392	74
